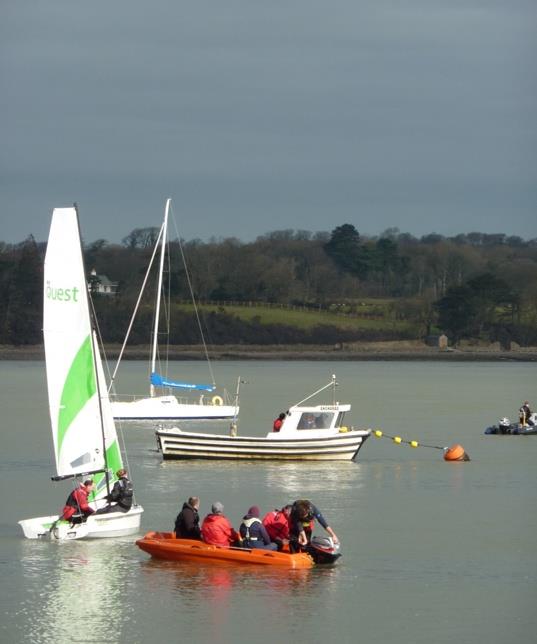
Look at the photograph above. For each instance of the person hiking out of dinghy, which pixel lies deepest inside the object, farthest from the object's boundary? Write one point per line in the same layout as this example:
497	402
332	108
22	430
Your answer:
253	532
303	513
77	505
216	528
187	523
276	523
120	498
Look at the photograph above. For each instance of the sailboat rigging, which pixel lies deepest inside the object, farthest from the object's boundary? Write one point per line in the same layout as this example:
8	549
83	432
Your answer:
161	403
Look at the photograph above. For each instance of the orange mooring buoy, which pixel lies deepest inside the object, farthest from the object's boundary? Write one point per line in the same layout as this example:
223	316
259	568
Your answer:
456	453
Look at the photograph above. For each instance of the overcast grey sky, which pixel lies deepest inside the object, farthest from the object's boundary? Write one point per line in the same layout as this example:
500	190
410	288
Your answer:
261	116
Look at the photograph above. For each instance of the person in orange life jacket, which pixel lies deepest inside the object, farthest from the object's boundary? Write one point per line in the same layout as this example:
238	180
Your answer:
216	528
301	520
120	498
277	425
276	523
253	532
77	501
187	523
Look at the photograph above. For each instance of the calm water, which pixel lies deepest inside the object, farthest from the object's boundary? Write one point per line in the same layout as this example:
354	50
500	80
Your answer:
433	552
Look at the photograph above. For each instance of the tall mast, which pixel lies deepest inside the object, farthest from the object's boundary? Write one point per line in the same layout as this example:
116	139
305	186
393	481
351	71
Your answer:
159	289
94	355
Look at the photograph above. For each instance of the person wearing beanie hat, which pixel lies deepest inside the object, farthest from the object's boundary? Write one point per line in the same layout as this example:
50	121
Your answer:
253	532
216	528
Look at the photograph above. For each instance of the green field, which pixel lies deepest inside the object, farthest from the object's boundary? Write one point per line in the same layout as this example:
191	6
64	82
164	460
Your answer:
380	319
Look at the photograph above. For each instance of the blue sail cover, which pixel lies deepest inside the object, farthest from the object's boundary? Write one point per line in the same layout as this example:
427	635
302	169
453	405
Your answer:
158	381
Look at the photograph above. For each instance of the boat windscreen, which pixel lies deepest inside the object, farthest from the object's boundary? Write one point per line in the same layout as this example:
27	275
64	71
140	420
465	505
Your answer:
310	420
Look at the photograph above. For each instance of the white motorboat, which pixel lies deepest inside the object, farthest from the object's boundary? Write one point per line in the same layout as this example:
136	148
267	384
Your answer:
308	432
83	430
203	401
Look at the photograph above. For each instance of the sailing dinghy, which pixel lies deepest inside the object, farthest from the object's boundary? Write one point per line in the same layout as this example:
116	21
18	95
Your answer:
199	402
83	430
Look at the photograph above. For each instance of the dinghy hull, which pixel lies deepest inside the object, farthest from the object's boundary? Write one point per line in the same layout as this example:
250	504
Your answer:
97	526
164	545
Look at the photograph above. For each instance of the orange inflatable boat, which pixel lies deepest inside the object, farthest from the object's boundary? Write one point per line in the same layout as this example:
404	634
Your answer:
164	545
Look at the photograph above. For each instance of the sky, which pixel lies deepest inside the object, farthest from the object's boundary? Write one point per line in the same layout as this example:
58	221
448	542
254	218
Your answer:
262	116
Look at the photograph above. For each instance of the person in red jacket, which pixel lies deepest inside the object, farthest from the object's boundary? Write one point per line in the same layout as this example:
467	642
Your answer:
276	523
77	501
277	424
216	528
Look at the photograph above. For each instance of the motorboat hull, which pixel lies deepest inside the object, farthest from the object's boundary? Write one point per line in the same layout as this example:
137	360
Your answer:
170	408
340	446
511	430
96	526
164	545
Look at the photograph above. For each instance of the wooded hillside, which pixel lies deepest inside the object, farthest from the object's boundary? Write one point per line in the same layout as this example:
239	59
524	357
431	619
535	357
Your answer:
345	286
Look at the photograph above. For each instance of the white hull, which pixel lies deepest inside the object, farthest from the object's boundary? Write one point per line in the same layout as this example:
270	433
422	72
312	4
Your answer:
169	408
100	526
339	446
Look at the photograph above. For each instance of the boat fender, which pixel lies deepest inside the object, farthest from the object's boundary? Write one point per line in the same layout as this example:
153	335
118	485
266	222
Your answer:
456	453
217	400
343	430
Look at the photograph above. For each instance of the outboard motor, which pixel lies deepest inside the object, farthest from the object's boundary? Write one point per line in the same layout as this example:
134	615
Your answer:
504	425
323	550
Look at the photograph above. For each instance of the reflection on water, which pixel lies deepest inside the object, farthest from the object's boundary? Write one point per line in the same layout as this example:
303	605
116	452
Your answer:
217	584
70	586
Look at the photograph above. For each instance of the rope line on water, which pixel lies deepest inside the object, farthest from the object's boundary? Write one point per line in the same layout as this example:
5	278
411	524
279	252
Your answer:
398	440
454	453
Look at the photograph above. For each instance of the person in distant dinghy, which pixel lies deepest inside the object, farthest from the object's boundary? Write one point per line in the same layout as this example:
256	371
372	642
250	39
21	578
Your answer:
120	498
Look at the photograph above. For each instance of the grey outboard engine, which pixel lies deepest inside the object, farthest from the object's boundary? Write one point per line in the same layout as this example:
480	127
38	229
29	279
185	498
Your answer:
323	550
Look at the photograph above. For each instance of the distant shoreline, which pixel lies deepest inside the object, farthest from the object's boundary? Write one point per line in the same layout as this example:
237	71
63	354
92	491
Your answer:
372	351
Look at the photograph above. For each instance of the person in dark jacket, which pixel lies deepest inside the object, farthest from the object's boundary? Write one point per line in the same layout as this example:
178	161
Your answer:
303	514
121	496
187	523
253	532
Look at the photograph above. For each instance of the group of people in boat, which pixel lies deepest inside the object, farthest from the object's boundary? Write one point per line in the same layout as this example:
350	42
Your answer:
289	527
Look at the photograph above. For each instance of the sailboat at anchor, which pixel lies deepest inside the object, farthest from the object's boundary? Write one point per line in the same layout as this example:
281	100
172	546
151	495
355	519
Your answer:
200	401
83	429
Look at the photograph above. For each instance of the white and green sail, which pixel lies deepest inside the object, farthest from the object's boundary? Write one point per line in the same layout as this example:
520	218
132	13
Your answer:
83	430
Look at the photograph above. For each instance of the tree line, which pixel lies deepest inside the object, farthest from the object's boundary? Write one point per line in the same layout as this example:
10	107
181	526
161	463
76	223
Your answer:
473	285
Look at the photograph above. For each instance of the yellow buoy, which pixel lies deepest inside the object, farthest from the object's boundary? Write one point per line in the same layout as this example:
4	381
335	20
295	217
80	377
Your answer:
413	443
397	439
378	433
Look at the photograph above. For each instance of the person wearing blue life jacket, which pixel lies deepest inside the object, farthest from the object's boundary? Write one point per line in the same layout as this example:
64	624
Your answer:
253	532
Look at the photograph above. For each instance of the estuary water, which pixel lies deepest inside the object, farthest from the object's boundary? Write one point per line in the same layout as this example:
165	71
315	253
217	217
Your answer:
433	552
